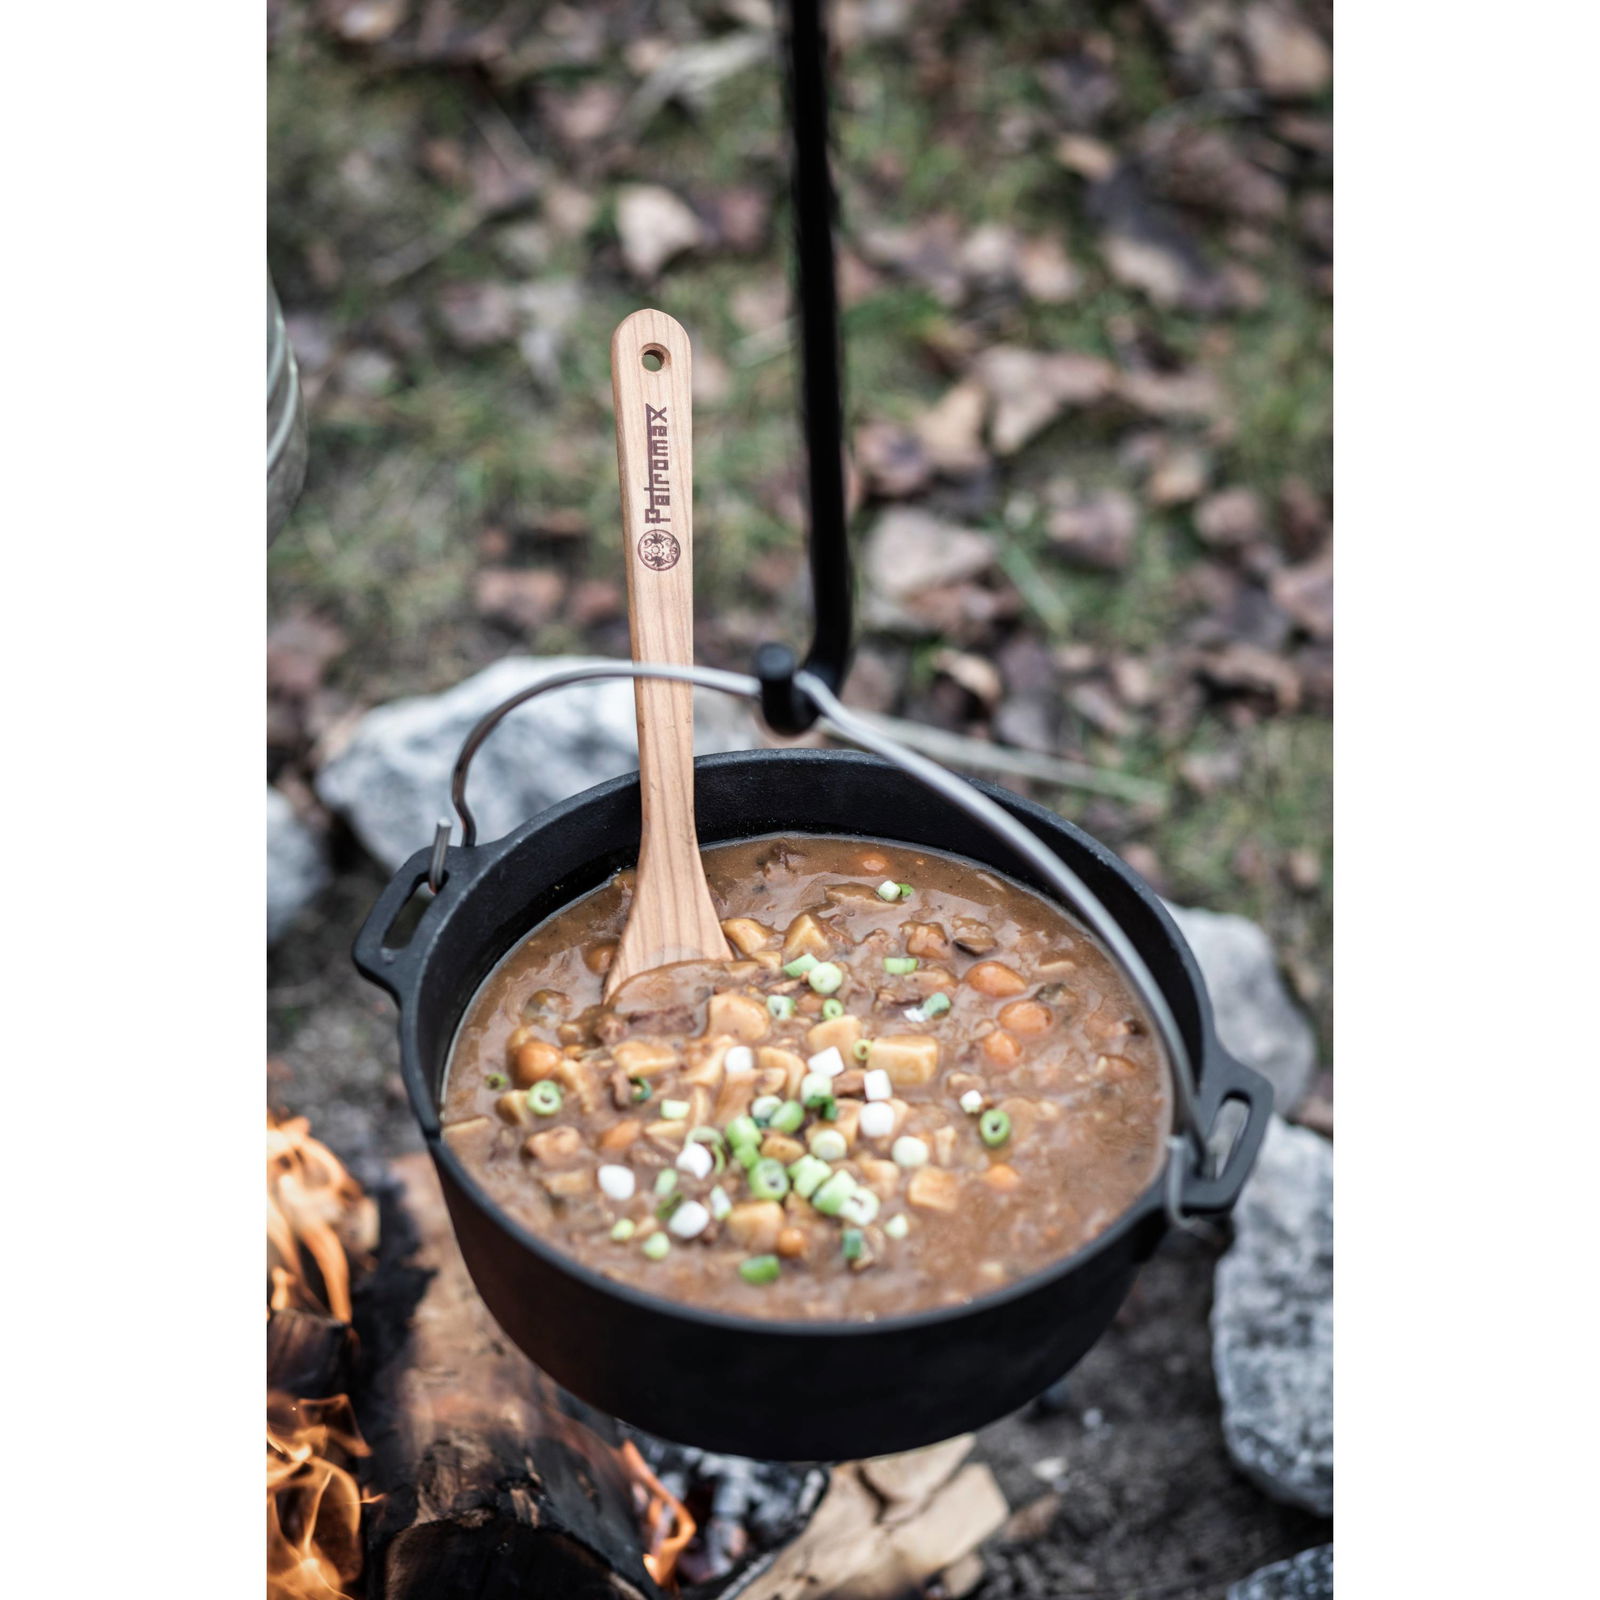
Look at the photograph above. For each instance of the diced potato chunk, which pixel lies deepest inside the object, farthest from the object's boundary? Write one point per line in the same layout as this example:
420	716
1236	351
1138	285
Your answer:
943	1144
598	957
792	1243
667	1135
846	1119
1002	1178
906	1057
470	1139
574	1181
770	1058
581	1079
1000	1050
995	979
555	1147
934	1189
746	935
754	1225
975	937
733	1099
927	941
780	1147
532	1060
642	1058
513	1108
841	1033
619	1136
882	1177
740	1016
805	936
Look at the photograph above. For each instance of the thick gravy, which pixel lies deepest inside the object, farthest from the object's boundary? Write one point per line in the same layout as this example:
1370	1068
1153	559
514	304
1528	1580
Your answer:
918	1082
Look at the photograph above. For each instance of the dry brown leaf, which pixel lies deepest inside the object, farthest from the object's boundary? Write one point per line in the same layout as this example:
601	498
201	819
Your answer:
892	460
911	550
654	225
1290	59
1030	389
1193	392
1306	593
1179	476
1089	158
952	433
1047	272
1231	517
1096	530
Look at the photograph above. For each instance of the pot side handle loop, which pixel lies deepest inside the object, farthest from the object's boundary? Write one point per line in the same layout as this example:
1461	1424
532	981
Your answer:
1214	1194
383	964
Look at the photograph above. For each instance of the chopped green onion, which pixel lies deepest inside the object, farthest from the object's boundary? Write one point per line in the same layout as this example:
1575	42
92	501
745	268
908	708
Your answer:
674	1110
705	1134
768	1180
719	1202
971	1102
666	1180
906	891
936	1004
909	1151
780	1006
861	1049
743	1131
832	1010
800	966
851	1243
825	977
759	1269
994	1127
623	1228
495	1080
898	1227
828	1144
764	1107
544	1099
814	1086
830	1198
807	1173
825	1107
787	1117
747	1155
641	1090
899	966
665	1208
888	890
657	1245
860	1206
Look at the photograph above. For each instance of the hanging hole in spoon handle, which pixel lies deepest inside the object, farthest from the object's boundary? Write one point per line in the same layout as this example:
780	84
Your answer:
671	917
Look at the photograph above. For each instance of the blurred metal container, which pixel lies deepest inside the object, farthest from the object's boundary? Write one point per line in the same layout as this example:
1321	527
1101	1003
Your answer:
286	420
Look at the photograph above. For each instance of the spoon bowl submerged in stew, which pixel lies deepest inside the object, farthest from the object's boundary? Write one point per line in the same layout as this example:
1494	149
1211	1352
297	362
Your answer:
917	1083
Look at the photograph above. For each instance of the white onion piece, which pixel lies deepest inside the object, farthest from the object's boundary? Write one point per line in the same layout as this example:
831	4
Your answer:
739	1061
695	1159
690	1220
828	1062
876	1120
616	1183
877	1085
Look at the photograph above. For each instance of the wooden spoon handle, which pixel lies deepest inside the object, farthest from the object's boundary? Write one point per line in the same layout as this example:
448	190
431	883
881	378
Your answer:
673	918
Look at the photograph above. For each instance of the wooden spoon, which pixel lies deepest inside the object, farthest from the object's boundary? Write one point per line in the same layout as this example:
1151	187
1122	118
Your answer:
671	918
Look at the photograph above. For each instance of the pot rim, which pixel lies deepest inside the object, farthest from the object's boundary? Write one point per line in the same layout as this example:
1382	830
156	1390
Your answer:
1150	1200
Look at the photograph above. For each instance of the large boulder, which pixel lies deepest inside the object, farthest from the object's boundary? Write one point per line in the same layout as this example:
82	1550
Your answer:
1272	1322
392	781
1307	1576
297	865
1256	1019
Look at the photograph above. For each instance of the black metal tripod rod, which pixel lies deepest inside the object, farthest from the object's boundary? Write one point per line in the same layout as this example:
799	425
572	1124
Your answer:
821	367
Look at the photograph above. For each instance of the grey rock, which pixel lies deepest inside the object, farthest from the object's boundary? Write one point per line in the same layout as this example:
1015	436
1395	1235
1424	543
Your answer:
1272	1322
1307	1576
297	865
1256	1019
392	782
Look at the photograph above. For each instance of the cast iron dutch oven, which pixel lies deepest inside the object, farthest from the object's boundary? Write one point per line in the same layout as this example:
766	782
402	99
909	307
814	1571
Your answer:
782	1390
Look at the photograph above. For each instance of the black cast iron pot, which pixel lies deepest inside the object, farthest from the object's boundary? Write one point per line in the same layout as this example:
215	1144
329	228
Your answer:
779	1390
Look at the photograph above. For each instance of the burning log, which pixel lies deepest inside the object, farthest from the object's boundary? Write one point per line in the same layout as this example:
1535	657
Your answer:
493	1483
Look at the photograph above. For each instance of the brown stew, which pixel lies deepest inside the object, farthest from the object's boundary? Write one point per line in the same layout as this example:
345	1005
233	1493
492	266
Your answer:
917	1082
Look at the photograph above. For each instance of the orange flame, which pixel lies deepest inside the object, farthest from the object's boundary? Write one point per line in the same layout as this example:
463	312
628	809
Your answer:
316	1212
667	1523
313	1503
